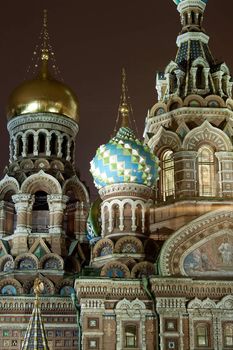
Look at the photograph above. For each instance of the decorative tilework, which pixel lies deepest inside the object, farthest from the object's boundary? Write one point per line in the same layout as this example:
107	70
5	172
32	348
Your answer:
124	160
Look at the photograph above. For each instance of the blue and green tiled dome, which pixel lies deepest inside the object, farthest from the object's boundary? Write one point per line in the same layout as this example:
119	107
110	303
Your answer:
124	159
178	1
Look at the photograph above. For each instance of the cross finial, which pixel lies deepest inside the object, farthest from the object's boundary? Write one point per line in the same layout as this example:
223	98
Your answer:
45	51
124	108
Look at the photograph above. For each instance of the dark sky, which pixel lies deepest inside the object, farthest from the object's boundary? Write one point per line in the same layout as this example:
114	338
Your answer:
92	40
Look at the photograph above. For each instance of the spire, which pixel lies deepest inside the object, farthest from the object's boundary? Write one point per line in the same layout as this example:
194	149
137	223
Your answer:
44	50
124	108
43	54
35	337
45	46
125	117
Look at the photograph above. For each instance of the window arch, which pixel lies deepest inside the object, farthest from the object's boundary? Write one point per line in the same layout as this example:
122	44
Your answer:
228	335
64	147
53	144
202	335
173	82
30	144
130	336
20	146
200	78
42	141
40	213
167	167
206	171
116	216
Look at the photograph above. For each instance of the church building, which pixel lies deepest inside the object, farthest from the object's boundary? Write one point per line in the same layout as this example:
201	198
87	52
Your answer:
149	264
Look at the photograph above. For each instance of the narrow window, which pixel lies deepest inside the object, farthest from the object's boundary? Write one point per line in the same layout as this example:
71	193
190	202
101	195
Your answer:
131	336
53	144
20	146
40	213
228	335
64	147
30	144
206	171
42	143
72	151
202	335
116	216
168	184
200	79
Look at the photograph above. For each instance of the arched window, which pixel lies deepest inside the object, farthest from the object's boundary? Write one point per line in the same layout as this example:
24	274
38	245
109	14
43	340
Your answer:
116	216
173	82
202	335
206	171
30	144
20	146
228	335
42	140
40	213
72	151
53	145
130	336
193	21
64	147
168	184
200	78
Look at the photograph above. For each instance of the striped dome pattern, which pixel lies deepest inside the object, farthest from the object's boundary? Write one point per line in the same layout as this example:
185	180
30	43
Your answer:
124	159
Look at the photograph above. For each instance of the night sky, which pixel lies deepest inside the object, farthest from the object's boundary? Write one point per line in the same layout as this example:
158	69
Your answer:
92	41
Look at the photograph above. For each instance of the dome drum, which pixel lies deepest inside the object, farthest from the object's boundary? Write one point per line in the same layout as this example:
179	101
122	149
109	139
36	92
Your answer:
132	190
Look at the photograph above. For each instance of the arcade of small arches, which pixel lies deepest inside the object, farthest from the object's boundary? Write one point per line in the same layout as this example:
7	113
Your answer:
204	81
124	215
29	261
192	100
126	244
42	143
197	163
12	287
39	205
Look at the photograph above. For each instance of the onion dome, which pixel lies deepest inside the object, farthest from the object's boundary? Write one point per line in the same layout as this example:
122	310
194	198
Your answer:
44	94
124	159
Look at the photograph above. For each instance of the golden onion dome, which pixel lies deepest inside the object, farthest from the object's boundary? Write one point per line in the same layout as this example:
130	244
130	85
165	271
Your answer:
43	94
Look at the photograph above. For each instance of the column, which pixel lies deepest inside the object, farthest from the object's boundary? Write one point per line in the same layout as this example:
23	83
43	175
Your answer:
47	145
59	142
24	140
2	218
23	206
57	204
225	173
185	174
35	145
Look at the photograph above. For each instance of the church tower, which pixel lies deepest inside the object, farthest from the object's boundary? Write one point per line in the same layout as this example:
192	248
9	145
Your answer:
44	205
116	310
190	130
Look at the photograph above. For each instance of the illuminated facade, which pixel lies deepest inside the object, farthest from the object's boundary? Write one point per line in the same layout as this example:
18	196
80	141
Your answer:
149	264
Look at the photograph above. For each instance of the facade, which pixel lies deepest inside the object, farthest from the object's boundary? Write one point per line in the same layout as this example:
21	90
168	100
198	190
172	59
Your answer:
149	264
